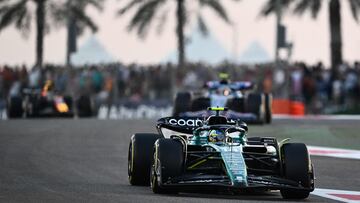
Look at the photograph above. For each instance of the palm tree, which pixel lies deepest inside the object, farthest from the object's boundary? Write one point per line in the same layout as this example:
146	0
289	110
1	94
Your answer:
72	14
147	10
17	12
314	6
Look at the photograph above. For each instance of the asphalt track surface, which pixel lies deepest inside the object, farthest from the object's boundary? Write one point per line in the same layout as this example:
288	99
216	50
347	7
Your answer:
86	161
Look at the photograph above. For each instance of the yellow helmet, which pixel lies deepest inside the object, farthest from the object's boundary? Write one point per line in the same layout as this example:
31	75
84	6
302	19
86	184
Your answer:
216	136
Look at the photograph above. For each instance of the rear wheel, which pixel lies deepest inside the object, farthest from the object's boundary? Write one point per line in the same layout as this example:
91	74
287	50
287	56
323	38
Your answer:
268	108
139	157
254	104
182	103
69	101
15	108
297	168
84	107
168	162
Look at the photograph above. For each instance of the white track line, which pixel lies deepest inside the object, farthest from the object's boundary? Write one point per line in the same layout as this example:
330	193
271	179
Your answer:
334	152
339	195
317	117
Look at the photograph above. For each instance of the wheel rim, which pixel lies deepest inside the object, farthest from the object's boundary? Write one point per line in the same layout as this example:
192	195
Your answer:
153	172
130	162
152	175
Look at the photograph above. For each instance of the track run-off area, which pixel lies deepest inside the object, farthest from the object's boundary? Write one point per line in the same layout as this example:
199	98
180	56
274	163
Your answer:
85	160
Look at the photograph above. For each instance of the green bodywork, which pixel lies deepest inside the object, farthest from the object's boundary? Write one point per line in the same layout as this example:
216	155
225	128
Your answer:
234	163
231	154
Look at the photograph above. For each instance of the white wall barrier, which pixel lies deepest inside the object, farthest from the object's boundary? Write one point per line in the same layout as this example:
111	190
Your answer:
141	112
3	114
121	112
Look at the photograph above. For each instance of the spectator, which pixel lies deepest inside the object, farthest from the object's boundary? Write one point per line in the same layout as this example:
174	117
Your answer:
139	83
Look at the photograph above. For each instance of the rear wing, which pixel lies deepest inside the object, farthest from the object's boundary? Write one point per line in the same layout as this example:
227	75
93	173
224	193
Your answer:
180	124
236	86
243	85
186	125
31	91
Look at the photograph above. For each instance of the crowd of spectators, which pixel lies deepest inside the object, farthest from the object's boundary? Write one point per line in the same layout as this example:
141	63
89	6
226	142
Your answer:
324	90
317	86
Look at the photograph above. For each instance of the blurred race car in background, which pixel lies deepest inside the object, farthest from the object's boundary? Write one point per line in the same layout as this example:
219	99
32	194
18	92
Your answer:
240	97
190	154
45	102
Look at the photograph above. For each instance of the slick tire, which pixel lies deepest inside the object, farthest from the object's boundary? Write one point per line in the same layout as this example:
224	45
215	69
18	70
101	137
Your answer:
268	108
69	102
167	162
255	105
84	107
139	157
15	108
296	164
182	103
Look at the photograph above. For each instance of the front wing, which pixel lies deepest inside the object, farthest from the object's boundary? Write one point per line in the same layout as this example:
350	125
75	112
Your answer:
250	118
213	182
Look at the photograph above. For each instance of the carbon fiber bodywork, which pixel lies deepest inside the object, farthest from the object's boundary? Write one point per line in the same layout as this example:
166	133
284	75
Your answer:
242	99
250	118
238	164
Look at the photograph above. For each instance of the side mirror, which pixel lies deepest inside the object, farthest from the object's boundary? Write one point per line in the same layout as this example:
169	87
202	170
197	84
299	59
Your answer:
244	126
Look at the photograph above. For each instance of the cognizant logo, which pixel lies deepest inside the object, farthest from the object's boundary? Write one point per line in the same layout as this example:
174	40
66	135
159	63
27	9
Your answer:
188	122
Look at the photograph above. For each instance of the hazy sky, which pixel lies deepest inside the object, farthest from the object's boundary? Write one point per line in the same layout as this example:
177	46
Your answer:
310	38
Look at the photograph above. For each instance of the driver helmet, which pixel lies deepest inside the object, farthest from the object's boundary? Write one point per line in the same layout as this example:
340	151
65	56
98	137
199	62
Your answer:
224	78
216	136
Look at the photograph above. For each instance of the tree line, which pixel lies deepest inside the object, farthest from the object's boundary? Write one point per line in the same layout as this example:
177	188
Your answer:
72	15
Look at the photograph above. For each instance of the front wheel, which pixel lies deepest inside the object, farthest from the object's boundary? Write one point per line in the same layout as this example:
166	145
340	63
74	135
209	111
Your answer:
139	157
15	107
297	167
167	162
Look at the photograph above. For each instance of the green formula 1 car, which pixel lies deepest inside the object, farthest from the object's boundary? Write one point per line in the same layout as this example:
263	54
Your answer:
196	154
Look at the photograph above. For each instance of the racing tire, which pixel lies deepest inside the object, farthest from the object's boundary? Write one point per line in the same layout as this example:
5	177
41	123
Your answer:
254	104
69	101
296	164
200	104
140	156
182	103
31	107
15	107
167	162
84	107
268	108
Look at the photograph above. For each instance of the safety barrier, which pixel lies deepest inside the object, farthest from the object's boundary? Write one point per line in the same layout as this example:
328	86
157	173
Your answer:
141	112
289	107
279	106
